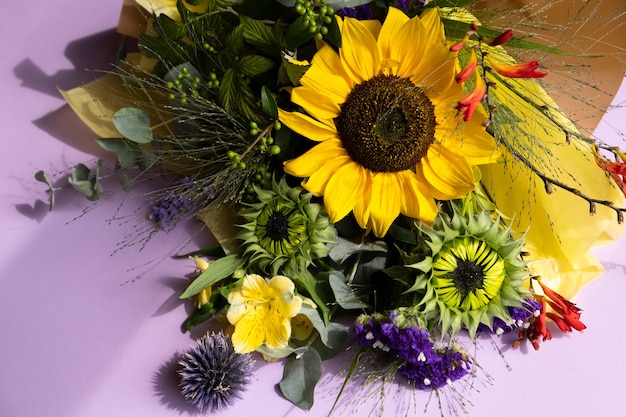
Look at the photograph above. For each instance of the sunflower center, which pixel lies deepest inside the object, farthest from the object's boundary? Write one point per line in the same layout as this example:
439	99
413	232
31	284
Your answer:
468	273
277	227
387	124
467	277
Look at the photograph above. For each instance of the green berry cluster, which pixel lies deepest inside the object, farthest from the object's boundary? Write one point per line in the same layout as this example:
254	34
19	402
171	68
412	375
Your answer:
316	15
185	85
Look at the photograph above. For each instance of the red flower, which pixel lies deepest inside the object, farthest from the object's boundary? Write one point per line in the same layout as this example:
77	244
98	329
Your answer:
537	329
501	38
566	315
617	170
468	104
469	69
528	69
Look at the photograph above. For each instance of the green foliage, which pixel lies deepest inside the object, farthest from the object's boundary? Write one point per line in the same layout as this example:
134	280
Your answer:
217	271
300	375
126	151
43	177
268	103
133	124
81	181
295	71
269	41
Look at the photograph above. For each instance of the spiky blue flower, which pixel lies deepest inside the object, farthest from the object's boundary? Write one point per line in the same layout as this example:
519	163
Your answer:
212	374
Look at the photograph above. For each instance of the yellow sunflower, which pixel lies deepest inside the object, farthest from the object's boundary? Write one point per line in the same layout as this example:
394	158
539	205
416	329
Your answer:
383	110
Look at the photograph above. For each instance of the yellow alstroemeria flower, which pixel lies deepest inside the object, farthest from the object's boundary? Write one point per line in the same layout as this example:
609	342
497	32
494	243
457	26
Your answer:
261	312
383	113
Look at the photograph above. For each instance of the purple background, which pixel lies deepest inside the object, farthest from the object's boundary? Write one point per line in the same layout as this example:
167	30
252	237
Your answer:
76	341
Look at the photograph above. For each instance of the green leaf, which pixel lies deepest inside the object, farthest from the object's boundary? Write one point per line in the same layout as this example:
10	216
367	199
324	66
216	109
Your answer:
300	376
234	41
216	272
80	181
260	35
133	124
344	295
227	90
126	151
334	34
297	34
253	65
268	103
295	71
43	177
199	316
337	335
328	334
401	234
305	280
166	27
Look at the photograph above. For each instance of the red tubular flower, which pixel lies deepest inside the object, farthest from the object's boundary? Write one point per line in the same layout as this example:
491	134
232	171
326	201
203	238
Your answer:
500	39
469	68
617	170
460	45
566	314
468	104
538	328
528	69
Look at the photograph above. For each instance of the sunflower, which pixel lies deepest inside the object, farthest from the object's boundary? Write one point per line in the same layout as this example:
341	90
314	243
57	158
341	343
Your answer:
383	111
472	272
284	229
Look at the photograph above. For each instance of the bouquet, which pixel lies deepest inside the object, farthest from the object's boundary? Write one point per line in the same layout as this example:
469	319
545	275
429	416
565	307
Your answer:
393	179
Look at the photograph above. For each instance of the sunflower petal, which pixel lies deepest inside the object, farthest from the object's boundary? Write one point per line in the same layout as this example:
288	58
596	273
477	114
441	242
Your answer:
447	174
306	126
417	201
388	37
315	158
343	189
318	105
385	203
359	52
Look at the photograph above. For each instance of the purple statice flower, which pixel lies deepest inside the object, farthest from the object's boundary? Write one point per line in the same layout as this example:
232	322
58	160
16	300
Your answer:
519	316
401	334
212	374
183	199
448	366
406	5
362	12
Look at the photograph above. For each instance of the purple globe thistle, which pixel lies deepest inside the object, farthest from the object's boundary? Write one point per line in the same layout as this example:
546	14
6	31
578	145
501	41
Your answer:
212	374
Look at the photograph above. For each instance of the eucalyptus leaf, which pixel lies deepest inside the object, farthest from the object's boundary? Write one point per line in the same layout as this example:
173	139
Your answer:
80	181
43	177
126	151
216	272
329	334
268	103
133	124
337	335
344	295
300	375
